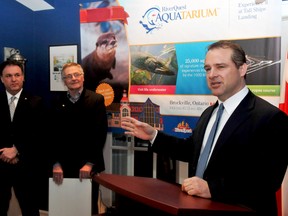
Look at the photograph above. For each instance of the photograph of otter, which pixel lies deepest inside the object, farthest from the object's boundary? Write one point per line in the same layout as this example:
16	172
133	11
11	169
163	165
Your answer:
105	56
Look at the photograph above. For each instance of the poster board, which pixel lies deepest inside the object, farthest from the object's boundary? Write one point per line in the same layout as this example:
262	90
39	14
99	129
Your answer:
71	198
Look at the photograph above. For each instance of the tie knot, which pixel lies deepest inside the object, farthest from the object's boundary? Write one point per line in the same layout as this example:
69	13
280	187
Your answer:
221	106
220	111
13	98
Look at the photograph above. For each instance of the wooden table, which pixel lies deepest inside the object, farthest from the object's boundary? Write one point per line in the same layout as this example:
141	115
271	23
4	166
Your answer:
147	196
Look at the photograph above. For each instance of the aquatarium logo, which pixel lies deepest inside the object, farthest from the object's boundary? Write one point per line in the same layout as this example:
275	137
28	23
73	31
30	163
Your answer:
156	17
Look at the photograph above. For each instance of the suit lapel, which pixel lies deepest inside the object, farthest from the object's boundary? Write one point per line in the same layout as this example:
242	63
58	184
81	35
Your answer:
21	105
201	128
241	114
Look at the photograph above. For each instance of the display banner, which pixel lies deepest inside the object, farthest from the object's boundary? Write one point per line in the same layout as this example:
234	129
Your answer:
149	55
156	52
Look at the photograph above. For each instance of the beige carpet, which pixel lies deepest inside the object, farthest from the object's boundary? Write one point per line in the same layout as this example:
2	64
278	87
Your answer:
14	209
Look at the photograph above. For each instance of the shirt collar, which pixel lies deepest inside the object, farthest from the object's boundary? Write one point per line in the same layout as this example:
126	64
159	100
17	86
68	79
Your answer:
231	103
75	98
16	95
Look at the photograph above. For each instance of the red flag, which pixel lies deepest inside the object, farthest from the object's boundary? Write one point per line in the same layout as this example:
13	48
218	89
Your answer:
282	194
283	105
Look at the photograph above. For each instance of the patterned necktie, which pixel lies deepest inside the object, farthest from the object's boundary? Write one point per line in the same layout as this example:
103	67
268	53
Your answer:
12	107
205	154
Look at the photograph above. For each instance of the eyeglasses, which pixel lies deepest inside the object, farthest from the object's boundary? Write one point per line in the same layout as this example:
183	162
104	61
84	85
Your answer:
70	76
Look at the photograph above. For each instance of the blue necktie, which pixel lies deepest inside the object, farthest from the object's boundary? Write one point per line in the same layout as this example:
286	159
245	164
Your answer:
205	154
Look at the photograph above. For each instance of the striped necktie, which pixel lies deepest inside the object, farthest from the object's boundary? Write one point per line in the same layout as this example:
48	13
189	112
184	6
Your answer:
12	107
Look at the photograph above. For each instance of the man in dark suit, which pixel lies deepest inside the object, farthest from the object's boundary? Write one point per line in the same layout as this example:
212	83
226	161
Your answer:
79	122
19	143
249	157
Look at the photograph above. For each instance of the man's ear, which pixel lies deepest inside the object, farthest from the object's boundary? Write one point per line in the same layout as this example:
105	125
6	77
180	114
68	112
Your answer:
243	69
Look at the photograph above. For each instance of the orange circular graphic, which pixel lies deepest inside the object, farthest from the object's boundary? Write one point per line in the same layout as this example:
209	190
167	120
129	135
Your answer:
107	91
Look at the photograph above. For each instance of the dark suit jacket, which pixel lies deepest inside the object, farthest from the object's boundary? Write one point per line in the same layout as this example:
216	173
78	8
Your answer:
249	160
25	130
78	132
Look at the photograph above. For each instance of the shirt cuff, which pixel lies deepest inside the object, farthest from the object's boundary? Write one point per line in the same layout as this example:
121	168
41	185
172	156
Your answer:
152	141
